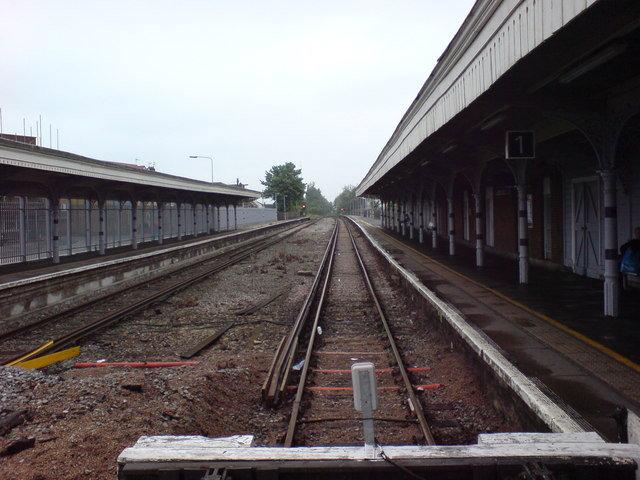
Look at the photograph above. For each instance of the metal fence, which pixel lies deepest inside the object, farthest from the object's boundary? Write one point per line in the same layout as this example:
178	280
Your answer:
26	224
24	229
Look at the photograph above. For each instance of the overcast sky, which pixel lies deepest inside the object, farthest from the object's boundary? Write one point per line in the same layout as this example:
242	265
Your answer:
321	84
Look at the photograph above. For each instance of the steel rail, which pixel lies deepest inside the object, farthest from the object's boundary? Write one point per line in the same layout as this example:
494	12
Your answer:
275	384
96	300
295	412
105	321
417	406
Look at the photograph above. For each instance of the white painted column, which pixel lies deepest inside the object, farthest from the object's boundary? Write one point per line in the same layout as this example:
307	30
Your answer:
523	234
179	206
434	219
144	216
227	210
218	208
611	278
134	224
194	210
47	227
102	238
412	220
160	216
119	223
392	213
87	224
387	214
55	220
207	208
421	217
69	230
403	211
235	217
451	226
479	230
22	211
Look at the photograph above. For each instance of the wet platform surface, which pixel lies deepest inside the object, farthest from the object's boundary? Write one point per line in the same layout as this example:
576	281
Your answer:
591	382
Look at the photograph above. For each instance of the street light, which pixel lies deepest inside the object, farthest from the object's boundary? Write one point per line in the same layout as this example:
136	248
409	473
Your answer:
204	156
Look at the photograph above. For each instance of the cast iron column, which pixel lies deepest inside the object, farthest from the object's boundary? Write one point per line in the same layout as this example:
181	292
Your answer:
55	220
102	238
479	230
611	276
134	224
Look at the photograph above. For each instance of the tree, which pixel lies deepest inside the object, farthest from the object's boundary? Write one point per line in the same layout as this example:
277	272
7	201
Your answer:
284	180
315	201
344	199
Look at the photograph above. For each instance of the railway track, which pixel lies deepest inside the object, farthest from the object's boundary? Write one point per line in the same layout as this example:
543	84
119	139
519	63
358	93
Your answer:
341	322
54	333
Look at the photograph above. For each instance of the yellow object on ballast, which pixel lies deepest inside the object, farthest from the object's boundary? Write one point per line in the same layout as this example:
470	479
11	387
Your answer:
32	353
47	360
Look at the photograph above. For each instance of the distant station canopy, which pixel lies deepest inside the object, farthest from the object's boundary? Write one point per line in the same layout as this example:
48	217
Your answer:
55	203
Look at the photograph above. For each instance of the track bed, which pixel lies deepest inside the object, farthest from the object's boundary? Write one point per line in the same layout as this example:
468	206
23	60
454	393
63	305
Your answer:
444	381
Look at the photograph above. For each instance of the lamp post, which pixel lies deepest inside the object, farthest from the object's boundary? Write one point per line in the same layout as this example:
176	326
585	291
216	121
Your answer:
204	156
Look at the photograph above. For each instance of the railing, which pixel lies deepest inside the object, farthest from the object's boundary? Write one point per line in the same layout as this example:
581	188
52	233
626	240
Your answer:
26	223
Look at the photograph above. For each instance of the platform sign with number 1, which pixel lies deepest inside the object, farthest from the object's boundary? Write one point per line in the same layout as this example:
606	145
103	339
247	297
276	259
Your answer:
520	144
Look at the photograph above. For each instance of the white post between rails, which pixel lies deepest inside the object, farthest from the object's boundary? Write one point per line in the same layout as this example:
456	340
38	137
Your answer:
365	400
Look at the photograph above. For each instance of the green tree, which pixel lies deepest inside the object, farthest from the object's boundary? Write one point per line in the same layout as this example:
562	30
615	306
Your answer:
315	201
344	199
284	180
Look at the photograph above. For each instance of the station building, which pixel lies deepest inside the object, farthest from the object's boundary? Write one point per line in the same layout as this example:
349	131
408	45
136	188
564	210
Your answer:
55	204
524	142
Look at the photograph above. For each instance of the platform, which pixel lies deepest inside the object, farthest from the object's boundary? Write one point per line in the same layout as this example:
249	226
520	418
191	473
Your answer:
589	376
23	271
27	291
